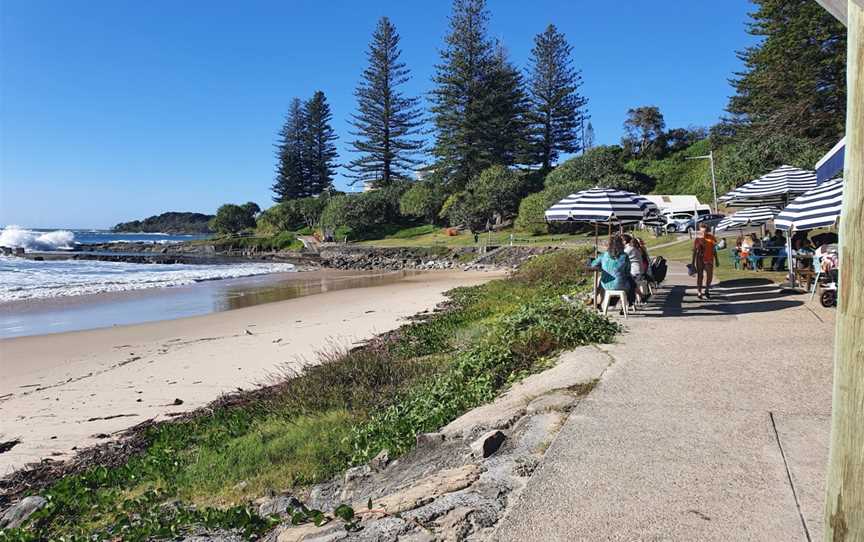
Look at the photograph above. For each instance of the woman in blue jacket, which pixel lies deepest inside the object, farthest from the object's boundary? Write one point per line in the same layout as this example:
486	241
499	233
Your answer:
614	265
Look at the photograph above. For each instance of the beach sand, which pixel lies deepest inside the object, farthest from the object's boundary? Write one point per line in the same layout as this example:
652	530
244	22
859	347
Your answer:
68	390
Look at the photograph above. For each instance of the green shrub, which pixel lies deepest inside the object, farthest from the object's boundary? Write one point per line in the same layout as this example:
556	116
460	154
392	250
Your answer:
280	242
562	269
423	200
513	343
601	166
489	198
365	212
232	218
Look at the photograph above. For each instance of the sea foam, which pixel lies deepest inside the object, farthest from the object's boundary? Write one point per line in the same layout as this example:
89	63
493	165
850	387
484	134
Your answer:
22	279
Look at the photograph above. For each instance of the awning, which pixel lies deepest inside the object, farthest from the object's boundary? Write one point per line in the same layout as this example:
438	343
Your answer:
831	165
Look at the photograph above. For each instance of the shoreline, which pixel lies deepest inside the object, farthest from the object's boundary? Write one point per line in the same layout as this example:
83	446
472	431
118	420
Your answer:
79	387
50	315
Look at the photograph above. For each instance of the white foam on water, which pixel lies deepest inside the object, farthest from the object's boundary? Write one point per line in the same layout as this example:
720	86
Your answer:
22	279
15	236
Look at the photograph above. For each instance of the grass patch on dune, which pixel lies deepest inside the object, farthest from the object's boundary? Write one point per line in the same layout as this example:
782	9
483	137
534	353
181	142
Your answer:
682	252
279	242
311	425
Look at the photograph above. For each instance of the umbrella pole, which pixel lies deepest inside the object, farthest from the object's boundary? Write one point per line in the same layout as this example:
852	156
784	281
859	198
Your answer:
594	281
789	259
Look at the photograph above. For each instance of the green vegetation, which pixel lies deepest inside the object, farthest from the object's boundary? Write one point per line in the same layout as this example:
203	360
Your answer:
172	222
794	79
682	252
309	426
556	105
305	152
387	123
497	137
279	242
231	218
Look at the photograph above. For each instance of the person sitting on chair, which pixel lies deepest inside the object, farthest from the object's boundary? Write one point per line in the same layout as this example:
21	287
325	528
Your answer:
614	266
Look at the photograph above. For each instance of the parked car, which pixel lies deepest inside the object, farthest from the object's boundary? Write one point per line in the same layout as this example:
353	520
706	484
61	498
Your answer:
711	219
677	222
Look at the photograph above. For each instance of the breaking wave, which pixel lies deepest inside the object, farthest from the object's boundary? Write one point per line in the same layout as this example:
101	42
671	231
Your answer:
22	279
15	236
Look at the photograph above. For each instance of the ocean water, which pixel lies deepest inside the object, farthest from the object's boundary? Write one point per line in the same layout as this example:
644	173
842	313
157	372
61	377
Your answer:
23	279
46	240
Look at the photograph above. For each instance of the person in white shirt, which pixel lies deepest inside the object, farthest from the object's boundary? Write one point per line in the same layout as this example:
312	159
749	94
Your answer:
634	252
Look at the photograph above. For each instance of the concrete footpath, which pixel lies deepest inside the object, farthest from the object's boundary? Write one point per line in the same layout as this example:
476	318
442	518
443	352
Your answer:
711	423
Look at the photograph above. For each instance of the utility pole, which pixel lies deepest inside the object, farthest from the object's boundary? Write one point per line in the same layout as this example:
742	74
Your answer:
710	158
844	492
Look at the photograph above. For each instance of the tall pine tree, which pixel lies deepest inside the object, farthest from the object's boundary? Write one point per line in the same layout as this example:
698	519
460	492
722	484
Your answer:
794	81
557	106
291	179
319	152
507	105
386	119
475	90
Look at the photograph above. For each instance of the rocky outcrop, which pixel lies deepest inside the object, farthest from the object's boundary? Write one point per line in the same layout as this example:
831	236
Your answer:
458	483
426	258
16	515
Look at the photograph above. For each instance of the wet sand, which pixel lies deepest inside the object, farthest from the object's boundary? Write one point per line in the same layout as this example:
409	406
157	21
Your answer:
57	315
65	390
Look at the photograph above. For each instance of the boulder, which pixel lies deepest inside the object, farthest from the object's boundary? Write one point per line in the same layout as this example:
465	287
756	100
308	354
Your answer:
277	505
17	514
454	525
380	461
429	439
427	489
488	444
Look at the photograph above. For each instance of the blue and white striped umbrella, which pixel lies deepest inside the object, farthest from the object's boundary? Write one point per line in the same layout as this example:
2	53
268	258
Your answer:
775	188
818	208
748	217
598	205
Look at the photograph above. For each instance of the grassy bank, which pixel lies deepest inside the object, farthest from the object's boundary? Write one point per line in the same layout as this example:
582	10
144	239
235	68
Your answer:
682	252
307	427
272	243
431	236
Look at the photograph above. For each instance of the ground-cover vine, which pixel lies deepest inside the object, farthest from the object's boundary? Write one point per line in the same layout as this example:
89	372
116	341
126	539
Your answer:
202	472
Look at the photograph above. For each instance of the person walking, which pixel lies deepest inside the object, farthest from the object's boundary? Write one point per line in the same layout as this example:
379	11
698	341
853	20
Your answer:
704	260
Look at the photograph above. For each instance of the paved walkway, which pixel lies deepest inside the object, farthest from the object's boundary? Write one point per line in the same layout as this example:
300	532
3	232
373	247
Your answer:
711	423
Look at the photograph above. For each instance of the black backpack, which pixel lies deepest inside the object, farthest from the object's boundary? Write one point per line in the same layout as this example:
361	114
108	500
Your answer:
658	269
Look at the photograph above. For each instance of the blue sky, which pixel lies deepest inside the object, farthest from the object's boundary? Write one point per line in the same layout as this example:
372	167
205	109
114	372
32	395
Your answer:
113	110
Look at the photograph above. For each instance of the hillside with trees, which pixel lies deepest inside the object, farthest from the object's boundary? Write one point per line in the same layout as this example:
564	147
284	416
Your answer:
506	142
171	222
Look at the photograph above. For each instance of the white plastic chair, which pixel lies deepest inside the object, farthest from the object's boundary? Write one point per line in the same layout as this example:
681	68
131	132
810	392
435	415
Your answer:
609	295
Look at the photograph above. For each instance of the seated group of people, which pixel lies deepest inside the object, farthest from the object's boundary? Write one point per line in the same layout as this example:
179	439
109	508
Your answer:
748	245
624	264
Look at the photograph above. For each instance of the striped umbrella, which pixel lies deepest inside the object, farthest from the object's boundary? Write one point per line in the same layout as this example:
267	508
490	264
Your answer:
748	217
775	188
596	206
599	205
818	208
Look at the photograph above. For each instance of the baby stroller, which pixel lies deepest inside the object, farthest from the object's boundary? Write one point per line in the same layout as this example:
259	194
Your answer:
829	295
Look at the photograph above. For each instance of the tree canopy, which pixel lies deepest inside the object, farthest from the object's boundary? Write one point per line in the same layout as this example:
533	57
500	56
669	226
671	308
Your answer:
387	122
556	106
794	79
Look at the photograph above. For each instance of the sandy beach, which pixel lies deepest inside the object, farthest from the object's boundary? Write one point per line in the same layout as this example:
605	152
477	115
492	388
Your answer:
69	390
